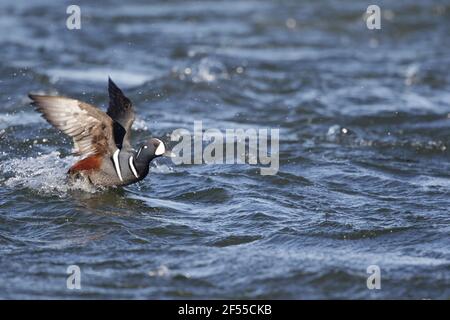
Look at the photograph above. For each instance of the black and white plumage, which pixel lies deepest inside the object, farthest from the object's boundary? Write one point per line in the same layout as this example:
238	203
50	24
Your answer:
102	139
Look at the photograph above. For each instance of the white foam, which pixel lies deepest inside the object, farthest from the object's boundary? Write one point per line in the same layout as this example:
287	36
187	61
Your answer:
161	168
19	118
428	183
160	203
161	271
100	75
45	173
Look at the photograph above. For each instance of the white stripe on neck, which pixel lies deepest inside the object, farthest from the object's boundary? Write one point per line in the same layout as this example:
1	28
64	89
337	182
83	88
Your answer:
139	152
132	167
117	164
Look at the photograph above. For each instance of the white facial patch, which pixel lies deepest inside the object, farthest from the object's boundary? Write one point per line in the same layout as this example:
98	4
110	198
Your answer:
161	149
117	164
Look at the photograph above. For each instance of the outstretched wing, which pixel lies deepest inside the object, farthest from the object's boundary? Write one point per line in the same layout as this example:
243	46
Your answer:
122	112
90	128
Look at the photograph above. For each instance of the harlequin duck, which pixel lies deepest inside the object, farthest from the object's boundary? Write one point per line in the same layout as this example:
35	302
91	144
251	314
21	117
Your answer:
102	139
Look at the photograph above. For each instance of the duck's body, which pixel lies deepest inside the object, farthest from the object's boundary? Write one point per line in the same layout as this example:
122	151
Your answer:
103	139
103	171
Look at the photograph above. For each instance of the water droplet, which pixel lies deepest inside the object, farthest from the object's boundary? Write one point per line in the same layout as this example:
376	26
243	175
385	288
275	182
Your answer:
291	23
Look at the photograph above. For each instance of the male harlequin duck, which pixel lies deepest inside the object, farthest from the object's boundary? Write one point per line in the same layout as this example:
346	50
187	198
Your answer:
102	139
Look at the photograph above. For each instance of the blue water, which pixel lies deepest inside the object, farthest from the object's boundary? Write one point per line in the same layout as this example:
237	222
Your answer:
364	178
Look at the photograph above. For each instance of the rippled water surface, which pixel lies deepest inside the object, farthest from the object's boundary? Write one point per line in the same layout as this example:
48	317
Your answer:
364	174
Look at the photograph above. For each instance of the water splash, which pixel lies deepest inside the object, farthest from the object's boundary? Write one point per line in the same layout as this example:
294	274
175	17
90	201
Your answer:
23	118
209	70
335	133
206	70
140	124
45	174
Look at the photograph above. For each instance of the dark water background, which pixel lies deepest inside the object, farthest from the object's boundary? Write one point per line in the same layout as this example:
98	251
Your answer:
364	175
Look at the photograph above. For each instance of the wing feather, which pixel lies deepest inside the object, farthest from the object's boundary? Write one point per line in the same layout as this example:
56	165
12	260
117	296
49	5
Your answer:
121	110
90	128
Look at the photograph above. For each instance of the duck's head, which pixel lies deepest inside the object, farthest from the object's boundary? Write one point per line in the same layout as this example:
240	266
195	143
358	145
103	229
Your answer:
150	150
